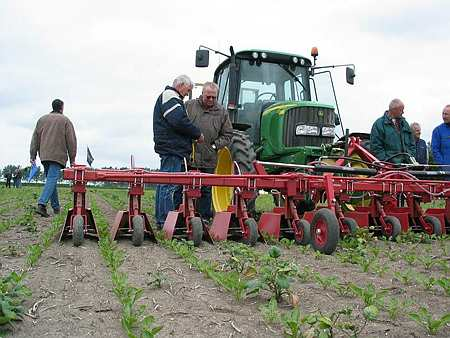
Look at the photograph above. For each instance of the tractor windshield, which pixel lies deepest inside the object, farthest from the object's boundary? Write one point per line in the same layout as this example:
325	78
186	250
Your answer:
268	82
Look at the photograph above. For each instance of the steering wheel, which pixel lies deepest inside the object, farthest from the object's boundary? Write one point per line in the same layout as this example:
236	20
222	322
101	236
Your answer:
266	93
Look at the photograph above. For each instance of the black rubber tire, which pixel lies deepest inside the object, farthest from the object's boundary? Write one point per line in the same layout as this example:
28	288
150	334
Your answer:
252	238
243	153
138	230
197	230
351	224
324	231
435	224
78	230
306	227
396	227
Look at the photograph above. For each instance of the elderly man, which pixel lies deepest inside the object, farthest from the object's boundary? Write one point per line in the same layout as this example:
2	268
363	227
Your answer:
213	120
54	139
421	146
391	138
173	134
440	140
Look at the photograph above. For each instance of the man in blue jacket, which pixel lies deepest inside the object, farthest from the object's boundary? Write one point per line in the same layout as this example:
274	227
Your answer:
440	140
391	138
421	145
173	134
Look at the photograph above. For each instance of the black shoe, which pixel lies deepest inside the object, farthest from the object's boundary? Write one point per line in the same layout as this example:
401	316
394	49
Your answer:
42	210
56	211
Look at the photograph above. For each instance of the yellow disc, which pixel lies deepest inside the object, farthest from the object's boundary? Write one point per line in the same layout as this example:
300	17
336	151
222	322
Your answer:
222	196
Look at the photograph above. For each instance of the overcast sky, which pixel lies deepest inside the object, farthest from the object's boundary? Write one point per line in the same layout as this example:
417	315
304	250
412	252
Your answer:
109	60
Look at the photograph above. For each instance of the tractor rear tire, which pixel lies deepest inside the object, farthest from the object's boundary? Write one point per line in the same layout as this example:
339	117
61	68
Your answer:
394	229
252	229
304	237
243	153
324	231
197	230
351	224
138	230
434	223
78	230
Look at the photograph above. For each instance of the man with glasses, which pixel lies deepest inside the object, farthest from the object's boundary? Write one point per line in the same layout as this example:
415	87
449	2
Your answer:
213	121
391	139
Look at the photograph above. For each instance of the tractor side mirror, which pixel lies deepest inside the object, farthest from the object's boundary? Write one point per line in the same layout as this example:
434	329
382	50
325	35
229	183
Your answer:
337	120
202	58
350	75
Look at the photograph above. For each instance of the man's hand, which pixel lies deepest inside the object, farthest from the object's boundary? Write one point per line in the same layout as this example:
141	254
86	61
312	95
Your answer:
33	162
201	139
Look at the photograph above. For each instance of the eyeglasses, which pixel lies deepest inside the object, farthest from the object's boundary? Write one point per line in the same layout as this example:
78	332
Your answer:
211	97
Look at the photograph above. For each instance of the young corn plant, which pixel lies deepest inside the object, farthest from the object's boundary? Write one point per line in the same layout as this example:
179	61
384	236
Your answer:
373	299
427	261
405	277
425	319
427	282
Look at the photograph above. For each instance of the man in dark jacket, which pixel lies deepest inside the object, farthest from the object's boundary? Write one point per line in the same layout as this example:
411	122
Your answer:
421	145
213	121
391	138
54	139
173	135
440	140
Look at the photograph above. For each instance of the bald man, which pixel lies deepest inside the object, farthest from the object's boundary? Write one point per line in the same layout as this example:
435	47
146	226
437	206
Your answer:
391	139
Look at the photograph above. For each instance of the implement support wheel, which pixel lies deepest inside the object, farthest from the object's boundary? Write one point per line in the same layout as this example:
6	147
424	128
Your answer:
252	232
324	231
435	225
197	230
78	230
138	230
304	232
351	224
393	227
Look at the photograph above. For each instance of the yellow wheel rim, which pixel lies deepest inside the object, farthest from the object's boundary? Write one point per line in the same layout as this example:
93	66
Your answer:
222	196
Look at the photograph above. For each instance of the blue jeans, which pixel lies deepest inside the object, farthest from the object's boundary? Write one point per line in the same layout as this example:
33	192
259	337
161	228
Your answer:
168	196
52	171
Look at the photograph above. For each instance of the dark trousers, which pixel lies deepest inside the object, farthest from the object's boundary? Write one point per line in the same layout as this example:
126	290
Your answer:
204	202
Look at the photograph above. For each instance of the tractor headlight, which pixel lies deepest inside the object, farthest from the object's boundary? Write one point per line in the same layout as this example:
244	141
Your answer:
264	55
255	55
295	59
303	129
328	131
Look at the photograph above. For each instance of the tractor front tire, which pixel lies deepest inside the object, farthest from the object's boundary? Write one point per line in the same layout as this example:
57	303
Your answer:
351	224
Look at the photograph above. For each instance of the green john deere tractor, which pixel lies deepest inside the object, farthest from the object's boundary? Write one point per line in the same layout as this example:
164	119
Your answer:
272	100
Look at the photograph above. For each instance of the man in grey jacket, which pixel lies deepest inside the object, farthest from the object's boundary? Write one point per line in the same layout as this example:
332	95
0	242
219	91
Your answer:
214	122
54	140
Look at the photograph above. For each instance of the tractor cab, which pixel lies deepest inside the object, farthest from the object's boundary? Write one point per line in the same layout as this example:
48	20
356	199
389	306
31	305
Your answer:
269	97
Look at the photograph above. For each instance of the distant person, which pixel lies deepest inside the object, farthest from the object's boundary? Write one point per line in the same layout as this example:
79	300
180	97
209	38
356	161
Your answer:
173	134
8	177
17	177
440	140
421	146
213	121
54	140
391	139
